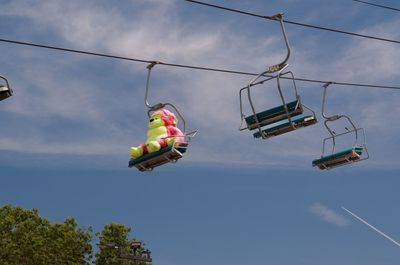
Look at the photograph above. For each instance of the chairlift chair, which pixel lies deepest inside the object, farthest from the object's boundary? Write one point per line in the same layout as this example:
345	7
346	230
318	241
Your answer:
168	154
5	89
334	158
280	119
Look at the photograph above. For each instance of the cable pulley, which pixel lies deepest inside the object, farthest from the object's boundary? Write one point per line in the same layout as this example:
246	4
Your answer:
5	89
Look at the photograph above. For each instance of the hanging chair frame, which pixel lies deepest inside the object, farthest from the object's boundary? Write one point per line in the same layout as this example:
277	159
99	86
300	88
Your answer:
283	112
157	106
356	153
168	154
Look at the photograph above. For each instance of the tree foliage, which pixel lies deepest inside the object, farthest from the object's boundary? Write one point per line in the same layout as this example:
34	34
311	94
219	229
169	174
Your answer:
113	234
116	234
26	238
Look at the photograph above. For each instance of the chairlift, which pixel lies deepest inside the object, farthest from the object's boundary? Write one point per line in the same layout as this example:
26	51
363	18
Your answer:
283	118
5	89
334	158
175	146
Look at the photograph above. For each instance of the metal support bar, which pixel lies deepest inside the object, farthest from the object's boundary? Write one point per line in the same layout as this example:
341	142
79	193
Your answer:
335	118
150	67
279	17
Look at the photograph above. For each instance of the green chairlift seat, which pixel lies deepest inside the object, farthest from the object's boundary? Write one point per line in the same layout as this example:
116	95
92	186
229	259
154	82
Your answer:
339	158
287	127
274	115
169	154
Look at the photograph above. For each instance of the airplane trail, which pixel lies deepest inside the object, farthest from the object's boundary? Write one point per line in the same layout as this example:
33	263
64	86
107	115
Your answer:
372	227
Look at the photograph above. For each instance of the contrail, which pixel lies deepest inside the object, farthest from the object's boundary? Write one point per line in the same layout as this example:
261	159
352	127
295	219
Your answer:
371	226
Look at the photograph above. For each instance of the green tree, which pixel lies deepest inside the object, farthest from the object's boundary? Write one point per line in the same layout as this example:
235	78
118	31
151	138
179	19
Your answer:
26	238
115	235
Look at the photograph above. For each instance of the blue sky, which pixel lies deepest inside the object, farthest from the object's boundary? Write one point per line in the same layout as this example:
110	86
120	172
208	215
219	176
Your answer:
67	130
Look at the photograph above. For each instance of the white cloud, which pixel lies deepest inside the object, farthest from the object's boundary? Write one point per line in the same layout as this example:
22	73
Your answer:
328	215
140	35
209	101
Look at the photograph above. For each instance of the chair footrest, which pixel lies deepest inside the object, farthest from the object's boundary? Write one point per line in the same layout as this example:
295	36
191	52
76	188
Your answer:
339	158
287	127
274	115
165	155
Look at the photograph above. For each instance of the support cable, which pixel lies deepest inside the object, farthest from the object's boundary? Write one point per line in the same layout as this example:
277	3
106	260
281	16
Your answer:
376	5
203	68
296	23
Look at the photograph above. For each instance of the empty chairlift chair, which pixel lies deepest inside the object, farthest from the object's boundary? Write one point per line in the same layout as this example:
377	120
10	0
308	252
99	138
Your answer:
5	89
282	118
334	158
174	143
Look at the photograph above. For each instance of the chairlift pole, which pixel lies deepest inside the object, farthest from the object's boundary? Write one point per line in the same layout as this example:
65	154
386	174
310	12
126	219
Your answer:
137	253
